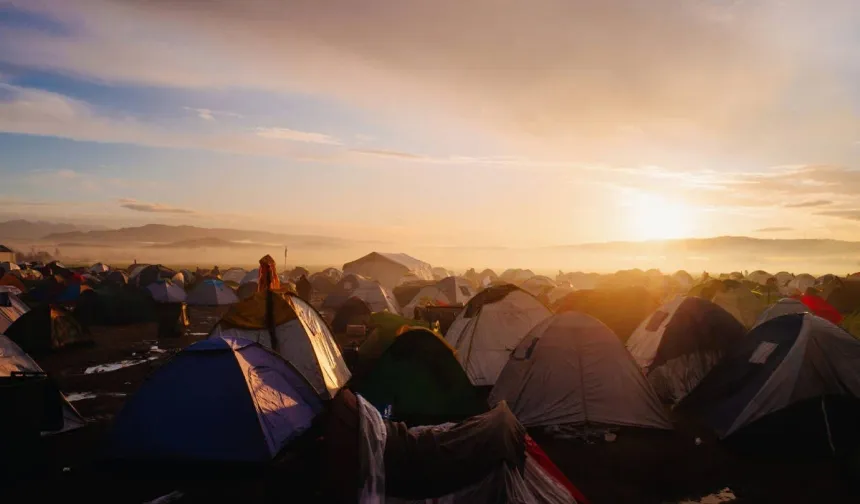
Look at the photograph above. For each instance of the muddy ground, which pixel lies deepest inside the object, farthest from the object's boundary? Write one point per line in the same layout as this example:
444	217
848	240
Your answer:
640	466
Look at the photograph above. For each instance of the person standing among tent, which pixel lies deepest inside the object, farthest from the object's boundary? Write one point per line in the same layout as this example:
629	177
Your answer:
304	288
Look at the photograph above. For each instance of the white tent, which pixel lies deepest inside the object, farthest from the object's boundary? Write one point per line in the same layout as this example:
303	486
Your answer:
447	292
389	269
234	275
301	337
537	285
681	342
490	326
14	359
251	276
784	306
377	297
760	277
783	277
799	284
99	268
572	369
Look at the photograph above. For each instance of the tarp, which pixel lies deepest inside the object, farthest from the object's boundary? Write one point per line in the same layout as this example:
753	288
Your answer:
218	401
572	369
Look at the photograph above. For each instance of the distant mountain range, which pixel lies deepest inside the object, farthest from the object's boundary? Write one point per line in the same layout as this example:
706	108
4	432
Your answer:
205	243
190	236
17	230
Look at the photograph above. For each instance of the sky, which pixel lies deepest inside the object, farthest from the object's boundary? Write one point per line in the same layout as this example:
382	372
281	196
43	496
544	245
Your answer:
438	122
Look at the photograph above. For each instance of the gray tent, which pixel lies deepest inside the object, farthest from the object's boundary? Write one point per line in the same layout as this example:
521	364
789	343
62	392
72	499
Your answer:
572	369
785	306
795	376
212	292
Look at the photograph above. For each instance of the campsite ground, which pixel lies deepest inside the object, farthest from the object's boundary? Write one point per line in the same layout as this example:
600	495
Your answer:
640	466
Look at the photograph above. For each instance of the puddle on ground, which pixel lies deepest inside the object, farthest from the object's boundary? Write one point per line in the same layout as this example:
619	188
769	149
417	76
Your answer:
83	396
198	334
113	366
724	495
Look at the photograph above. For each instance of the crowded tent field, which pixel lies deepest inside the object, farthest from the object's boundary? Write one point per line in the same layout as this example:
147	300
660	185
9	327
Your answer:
391	381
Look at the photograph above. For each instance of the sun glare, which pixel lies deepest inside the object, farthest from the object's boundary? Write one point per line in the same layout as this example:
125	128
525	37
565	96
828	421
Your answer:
656	218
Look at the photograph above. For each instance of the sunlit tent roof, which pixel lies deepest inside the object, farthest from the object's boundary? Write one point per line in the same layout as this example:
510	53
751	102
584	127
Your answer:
681	342
11	309
490	326
234	275
760	277
99	268
734	297
151	274
418	376
57	414
449	291
684	279
538	284
218	401
799	284
301	336
388	268
571	369
622	309
12	281
9	266
46	328
781	365
783	277
211	292
440	273
516	275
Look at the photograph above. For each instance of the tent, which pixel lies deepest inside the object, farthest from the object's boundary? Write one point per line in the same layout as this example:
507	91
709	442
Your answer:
354	311
799	284
11	309
792	380
450	291
135	269
234	275
740	302
557	294
679	343
684	279
219	401
54	410
110	304
151	274
116	278
246	290
537	285
166	291
343	290
405	293
300	336
99	268
620	308
760	277
46	328
516	276
377	297
13	281
843	294
211	292
784	306
388	269
783	278
9	266
420	381
572	369
383	328
490	326
251	276
822	308
440	273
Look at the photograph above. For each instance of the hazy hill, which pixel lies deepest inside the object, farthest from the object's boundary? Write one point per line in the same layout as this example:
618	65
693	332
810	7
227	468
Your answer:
204	243
164	234
35	230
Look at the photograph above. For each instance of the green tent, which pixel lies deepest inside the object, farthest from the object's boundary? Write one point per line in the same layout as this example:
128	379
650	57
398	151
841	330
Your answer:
419	378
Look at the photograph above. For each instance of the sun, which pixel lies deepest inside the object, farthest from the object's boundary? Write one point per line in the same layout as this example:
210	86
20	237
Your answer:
653	217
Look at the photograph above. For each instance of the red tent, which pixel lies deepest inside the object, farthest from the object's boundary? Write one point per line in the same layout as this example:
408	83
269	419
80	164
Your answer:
822	308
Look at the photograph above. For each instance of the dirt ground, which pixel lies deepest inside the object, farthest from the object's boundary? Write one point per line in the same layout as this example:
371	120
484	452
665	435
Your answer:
640	466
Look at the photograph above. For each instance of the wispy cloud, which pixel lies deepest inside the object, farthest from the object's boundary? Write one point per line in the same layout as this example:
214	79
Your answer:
209	114
390	154
809	204
774	230
140	206
853	215
297	136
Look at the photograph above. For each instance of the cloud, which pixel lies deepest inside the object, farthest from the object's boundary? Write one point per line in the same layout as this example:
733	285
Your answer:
853	215
774	230
209	114
389	154
808	204
297	136
138	206
578	77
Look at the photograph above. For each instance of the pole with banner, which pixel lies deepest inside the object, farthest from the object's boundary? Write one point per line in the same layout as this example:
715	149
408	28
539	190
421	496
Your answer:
285	258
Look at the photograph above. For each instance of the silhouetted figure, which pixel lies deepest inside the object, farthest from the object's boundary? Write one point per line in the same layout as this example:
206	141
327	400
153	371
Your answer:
304	288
